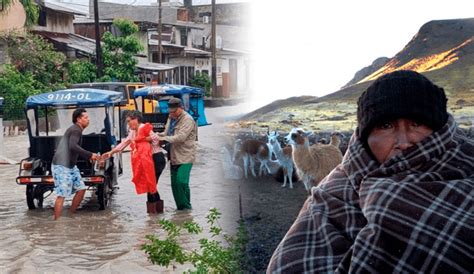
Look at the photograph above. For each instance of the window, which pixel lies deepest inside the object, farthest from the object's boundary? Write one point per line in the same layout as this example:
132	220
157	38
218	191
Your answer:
184	37
42	18
122	90
131	89
182	75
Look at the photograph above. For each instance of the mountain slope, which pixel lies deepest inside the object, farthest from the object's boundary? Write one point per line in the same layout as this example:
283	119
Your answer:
442	50
279	104
361	74
436	45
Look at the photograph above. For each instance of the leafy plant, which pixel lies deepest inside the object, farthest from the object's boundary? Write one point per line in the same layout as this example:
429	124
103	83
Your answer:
32	54
35	67
31	10
213	256
15	87
81	71
201	80
118	52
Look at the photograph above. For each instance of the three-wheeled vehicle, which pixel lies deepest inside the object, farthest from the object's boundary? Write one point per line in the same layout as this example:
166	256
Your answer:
102	133
192	98
126	88
128	102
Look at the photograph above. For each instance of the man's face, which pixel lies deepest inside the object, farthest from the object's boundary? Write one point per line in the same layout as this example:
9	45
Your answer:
393	137
175	112
83	120
132	123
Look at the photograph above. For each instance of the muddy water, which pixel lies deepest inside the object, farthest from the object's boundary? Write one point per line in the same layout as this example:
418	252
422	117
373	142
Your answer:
108	241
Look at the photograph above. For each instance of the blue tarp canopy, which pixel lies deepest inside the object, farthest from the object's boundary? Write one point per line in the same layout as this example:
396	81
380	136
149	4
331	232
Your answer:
166	89
193	99
75	97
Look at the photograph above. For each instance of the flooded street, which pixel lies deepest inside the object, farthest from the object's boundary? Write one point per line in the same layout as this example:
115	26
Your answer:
109	241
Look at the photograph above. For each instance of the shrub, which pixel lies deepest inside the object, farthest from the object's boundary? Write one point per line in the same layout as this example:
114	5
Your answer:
213	256
201	80
81	71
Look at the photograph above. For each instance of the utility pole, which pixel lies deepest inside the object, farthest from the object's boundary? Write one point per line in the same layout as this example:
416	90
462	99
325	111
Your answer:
160	53
98	47
213	50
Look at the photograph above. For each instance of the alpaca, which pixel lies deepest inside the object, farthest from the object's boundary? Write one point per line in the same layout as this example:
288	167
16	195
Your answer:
283	156
250	150
315	162
336	139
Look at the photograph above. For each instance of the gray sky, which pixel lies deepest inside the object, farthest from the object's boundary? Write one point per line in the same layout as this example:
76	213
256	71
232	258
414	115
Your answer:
309	47
83	4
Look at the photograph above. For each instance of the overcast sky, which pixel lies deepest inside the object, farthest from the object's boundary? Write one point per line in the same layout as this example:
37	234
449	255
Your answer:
83	4
308	47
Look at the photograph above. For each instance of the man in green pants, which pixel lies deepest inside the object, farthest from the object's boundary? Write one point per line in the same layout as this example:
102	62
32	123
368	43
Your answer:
181	133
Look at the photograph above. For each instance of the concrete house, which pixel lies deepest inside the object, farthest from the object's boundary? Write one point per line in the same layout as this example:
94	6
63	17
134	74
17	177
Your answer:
55	24
232	43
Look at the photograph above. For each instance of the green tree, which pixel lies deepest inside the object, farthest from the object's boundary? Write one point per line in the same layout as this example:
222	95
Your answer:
119	51
32	54
201	80
81	71
34	68
15	87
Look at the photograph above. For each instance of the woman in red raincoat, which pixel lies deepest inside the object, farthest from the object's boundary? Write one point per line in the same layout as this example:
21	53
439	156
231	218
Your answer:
143	166
142	160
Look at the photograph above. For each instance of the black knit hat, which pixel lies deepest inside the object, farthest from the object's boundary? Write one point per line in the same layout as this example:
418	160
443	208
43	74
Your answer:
401	94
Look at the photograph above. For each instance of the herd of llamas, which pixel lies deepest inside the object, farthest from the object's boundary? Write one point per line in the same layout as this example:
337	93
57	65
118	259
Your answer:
312	162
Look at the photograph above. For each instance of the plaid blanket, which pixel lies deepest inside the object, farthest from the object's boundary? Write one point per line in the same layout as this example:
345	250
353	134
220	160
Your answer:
411	214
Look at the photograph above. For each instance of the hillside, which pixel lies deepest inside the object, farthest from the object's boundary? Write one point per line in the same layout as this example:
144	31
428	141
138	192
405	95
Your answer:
279	104
361	74
442	50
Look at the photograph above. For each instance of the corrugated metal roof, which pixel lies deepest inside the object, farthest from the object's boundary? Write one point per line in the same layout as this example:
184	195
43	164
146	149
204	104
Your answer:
196	51
74	41
154	66
56	6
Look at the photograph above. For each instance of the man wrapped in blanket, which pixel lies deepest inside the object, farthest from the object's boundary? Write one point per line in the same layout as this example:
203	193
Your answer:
401	201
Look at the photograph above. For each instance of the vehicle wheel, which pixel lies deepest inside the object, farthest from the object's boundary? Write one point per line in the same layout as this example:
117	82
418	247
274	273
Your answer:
39	196
30	197
103	193
34	197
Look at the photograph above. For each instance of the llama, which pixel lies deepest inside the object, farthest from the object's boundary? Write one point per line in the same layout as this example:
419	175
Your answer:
315	162
250	150
283	156
336	139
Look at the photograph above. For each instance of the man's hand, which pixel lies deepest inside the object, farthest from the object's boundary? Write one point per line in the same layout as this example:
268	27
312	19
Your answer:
94	157
107	155
148	138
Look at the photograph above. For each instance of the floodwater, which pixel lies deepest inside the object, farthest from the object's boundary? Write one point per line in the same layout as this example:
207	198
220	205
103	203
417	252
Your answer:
109	241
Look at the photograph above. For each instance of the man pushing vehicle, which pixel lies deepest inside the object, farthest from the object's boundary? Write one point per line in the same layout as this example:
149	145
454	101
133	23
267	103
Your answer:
66	175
